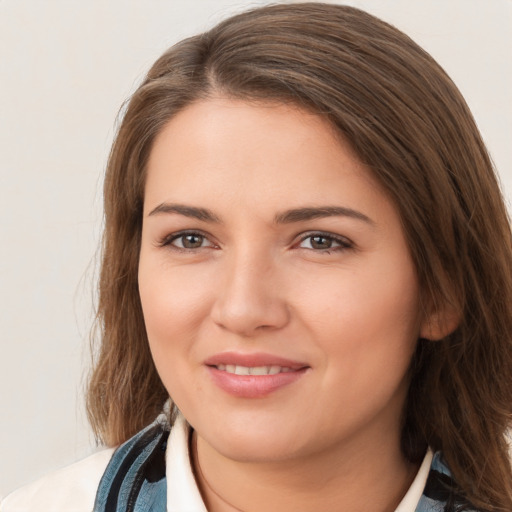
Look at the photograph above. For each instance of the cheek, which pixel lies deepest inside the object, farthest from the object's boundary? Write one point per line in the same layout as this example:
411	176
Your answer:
365	322
175	304
367	333
174	307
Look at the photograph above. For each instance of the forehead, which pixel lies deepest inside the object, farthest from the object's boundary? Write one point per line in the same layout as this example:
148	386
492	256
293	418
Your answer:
254	155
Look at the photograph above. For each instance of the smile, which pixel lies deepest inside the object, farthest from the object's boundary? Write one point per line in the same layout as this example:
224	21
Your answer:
253	370
255	375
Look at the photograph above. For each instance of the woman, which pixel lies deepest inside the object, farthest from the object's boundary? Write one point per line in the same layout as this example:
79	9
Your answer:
306	249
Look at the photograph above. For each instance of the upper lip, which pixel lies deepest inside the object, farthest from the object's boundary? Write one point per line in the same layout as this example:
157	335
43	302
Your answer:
253	360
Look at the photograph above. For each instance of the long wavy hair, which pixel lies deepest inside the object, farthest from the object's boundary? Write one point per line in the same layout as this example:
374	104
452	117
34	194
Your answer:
410	125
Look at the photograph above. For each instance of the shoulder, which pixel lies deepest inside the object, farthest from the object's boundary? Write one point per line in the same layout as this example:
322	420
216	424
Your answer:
71	489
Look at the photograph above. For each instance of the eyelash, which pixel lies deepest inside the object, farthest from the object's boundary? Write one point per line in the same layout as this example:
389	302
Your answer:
168	240
343	242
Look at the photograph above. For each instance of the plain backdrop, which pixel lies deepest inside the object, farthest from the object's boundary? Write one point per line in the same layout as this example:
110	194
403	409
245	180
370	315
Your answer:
65	68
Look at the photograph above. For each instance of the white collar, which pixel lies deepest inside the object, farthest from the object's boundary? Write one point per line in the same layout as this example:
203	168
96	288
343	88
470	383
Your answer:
412	497
182	491
183	494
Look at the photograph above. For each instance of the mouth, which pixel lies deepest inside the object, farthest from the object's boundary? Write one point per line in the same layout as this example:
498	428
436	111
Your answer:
253	375
253	370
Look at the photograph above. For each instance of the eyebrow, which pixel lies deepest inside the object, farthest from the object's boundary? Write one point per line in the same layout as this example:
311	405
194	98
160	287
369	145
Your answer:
303	214
188	211
286	217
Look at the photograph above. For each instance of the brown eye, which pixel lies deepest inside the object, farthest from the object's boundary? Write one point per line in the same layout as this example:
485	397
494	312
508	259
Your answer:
190	241
321	242
324	242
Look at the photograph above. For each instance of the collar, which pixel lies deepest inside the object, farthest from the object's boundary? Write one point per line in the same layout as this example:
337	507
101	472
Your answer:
182	491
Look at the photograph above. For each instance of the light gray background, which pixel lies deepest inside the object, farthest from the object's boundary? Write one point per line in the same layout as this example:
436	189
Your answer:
65	68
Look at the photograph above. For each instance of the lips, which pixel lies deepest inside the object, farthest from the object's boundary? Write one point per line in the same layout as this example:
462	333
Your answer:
253	375
253	360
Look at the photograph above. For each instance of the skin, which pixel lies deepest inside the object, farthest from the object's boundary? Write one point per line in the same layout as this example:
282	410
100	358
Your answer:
251	284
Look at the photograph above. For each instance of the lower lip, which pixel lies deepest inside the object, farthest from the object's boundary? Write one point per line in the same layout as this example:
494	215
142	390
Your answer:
253	386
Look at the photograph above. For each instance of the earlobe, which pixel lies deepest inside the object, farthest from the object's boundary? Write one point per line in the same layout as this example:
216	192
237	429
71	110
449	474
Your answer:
439	324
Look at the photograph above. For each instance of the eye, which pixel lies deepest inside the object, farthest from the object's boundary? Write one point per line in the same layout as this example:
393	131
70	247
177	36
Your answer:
324	242
187	241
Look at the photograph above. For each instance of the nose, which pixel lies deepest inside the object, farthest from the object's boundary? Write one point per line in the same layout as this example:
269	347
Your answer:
250	299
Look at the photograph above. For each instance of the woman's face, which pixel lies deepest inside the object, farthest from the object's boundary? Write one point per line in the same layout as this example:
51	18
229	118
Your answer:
279	295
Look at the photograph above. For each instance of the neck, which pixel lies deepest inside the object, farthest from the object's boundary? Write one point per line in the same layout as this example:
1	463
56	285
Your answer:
358	476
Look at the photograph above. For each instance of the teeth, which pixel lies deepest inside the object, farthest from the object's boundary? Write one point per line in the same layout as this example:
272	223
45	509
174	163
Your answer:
259	370
253	370
242	370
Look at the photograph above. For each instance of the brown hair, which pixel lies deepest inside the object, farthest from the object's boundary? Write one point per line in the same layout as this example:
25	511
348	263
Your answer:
409	124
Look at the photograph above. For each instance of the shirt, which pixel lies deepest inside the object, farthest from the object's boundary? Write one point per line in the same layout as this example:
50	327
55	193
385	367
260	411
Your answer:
73	489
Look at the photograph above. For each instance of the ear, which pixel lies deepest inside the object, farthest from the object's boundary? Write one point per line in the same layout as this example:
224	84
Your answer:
440	323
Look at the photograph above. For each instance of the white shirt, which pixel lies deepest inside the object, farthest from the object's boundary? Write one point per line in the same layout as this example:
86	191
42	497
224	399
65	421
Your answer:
73	489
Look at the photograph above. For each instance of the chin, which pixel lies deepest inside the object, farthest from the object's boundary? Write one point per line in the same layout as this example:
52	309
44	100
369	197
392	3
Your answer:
255	447
246	438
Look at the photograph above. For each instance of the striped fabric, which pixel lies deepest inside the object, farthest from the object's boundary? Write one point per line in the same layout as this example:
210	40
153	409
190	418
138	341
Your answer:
438	495
135	480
